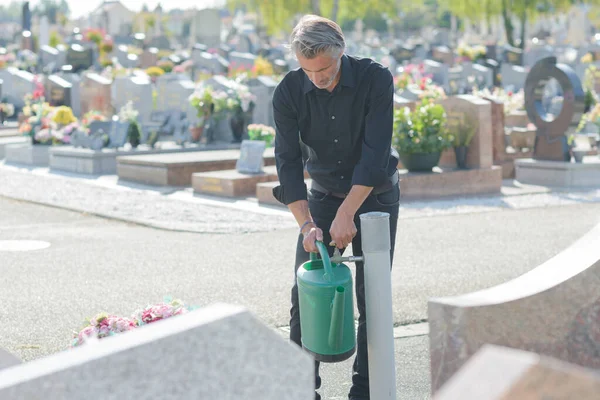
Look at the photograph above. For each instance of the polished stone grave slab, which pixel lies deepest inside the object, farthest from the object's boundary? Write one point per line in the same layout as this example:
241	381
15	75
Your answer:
500	373
447	182
176	169
216	352
553	310
27	154
104	162
231	183
8	140
559	173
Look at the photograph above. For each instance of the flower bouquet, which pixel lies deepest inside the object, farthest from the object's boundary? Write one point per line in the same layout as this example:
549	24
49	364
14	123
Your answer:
104	324
261	132
101	326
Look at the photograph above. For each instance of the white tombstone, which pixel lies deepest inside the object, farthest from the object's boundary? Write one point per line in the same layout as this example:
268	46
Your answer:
207	27
44	31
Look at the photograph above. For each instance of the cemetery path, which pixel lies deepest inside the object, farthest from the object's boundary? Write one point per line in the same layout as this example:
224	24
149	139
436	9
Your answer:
95	264
179	209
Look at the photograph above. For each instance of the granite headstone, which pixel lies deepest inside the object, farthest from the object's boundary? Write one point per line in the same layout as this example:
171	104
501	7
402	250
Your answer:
551	141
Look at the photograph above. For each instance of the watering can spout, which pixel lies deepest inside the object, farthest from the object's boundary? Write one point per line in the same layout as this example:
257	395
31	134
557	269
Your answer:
336	326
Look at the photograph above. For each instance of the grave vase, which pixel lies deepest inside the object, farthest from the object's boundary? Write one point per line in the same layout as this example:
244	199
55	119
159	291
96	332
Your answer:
461	156
196	132
237	123
420	162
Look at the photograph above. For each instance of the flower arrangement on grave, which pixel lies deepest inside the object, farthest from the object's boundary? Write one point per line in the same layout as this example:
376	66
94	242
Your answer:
101	326
157	312
413	78
63	115
104	325
167	66
91	116
589	85
513	101
184	67
471	53
7	110
129	114
420	136
262	66
587	58
154	72
261	132
94	35
107	46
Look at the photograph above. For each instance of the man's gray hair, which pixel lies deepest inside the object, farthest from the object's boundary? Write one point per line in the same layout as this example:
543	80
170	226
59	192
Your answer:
314	35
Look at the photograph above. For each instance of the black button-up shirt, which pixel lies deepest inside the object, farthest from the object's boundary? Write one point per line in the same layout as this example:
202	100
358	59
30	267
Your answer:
348	132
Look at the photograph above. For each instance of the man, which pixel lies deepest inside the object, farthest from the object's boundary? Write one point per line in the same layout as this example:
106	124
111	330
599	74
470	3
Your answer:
341	108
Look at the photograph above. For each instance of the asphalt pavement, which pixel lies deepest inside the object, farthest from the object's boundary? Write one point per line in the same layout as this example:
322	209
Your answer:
94	264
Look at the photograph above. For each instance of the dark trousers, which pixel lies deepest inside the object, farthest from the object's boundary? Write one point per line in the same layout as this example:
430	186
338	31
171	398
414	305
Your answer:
323	208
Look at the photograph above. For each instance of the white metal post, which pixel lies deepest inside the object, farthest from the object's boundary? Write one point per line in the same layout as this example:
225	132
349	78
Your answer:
375	232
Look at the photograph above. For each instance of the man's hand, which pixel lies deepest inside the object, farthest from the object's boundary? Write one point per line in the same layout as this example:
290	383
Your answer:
311	234
342	229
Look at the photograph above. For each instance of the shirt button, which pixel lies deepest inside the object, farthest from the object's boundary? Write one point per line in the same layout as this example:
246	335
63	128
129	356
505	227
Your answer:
342	177
335	140
333	117
339	162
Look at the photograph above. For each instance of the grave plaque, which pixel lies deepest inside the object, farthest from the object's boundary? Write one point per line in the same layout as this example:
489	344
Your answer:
79	57
117	136
403	53
551	141
58	91
513	55
251	157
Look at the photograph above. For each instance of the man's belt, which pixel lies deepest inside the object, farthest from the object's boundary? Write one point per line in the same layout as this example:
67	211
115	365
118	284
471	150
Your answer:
393	181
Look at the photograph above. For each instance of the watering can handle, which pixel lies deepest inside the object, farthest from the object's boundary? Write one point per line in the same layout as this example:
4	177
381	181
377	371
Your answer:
325	257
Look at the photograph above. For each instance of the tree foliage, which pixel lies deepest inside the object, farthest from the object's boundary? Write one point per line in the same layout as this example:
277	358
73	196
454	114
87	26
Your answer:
278	16
511	11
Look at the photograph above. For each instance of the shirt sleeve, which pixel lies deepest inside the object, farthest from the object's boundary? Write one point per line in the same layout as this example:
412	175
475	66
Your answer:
288	154
372	168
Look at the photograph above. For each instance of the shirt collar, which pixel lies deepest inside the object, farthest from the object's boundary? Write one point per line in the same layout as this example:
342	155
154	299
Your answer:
347	78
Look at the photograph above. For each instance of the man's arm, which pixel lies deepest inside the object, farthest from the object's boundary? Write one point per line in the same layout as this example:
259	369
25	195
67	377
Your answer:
371	171
288	156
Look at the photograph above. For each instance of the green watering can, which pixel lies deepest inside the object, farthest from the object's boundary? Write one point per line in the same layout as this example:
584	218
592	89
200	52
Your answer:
326	304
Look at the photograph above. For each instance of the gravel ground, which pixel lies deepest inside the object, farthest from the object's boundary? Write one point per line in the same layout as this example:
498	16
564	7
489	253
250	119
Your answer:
179	209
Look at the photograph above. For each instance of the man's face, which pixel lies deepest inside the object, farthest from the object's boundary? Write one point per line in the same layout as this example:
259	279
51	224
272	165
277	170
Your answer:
321	70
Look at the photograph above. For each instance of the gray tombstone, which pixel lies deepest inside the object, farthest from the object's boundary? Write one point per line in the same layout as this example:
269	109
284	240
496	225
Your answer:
241	60
173	92
551	141
513	77
237	356
58	91
206	27
212	63
262	88
80	57
16	84
251	159
513	55
438	71
117	136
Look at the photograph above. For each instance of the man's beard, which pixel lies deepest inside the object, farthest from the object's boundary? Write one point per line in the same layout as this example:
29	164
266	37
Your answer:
325	86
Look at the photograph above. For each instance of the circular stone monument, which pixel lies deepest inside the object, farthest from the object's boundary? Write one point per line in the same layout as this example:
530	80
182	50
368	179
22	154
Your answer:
22	245
551	141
